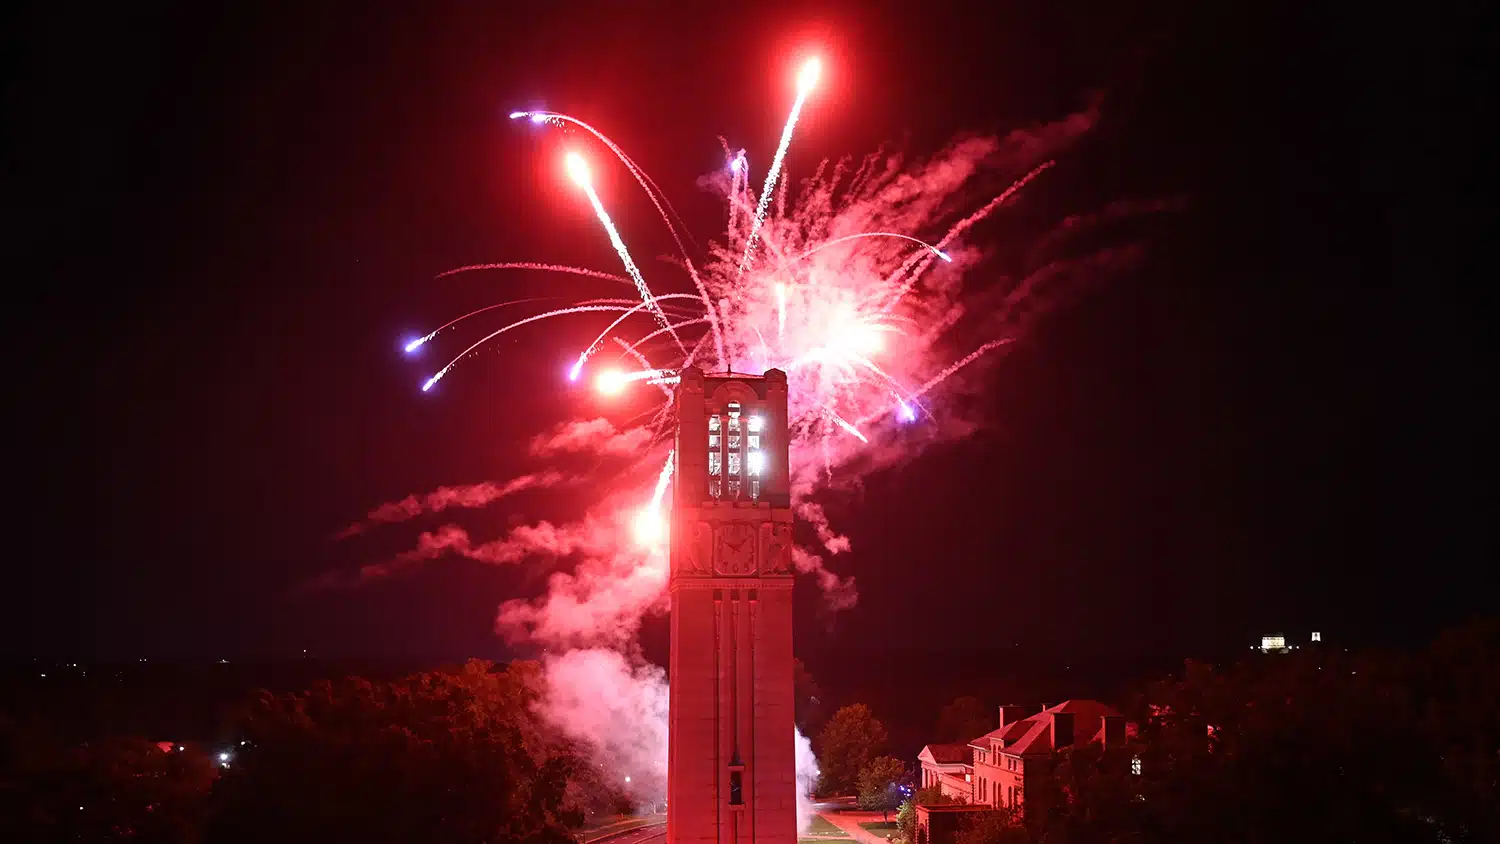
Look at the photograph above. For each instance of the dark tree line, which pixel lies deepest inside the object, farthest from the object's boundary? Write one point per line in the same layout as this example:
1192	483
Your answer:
445	756
1317	745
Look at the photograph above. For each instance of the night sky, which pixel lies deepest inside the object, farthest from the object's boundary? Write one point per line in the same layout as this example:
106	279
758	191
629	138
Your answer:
223	224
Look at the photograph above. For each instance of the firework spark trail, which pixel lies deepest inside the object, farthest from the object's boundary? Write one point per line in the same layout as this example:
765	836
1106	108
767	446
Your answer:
580	309
628	349
661	482
960	364
805	82
839	420
653	191
958	229
738	167
612	381
578	169
423	340
599	341
658	198
933	250
660	331
528	265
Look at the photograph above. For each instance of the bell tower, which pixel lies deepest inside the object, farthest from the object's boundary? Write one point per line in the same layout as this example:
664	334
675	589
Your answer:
731	775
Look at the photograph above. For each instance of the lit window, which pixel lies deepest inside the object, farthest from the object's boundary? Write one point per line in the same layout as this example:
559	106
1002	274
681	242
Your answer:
715	457
757	462
734	487
753	441
734	423
755	489
734	462
755	424
734	442
1135	765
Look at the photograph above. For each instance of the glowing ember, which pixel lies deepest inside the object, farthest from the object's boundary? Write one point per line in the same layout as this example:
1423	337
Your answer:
808	76
649	527
904	411
610	382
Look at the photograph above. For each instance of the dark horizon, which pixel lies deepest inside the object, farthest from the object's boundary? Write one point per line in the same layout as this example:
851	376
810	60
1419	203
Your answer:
229	220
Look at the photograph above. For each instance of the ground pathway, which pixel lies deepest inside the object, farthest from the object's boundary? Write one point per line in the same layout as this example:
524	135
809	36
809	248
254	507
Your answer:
849	821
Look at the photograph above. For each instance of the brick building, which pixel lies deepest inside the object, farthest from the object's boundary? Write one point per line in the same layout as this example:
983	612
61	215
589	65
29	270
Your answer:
1021	750
999	767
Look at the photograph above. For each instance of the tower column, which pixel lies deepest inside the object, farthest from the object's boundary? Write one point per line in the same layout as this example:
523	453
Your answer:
730	772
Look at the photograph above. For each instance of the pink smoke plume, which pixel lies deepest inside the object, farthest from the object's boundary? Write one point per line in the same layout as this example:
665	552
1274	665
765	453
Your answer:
601	601
595	436
445	497
542	539
617	706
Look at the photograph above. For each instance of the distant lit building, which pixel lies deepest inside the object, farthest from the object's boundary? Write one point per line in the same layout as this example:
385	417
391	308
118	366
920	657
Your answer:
1316	636
1275	643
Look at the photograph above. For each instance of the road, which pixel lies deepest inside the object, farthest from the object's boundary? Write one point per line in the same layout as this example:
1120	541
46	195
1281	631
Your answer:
655	832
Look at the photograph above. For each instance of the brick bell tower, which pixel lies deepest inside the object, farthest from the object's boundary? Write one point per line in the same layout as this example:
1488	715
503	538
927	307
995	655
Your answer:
731	775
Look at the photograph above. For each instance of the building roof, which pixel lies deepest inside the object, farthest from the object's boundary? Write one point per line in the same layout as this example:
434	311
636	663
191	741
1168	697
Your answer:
947	754
1034	735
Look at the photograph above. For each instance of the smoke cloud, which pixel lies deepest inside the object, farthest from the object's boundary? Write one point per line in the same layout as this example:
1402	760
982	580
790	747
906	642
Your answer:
445	497
594	436
617	706
807	779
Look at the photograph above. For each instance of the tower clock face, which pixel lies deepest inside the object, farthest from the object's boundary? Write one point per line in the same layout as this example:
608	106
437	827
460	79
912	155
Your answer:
736	551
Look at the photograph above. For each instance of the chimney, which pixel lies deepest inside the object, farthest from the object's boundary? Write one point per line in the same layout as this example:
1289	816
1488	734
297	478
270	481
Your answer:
1062	730
1010	713
1114	730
